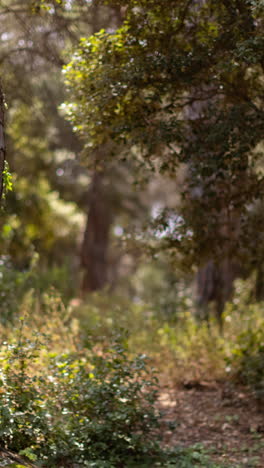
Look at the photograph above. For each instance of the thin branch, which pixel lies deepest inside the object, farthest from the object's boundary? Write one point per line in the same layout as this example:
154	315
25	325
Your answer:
2	143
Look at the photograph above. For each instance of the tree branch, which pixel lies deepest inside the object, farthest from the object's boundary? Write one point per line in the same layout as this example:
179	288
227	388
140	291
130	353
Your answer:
2	142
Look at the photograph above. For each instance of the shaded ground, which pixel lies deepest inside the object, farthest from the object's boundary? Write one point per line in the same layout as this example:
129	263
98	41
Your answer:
229	423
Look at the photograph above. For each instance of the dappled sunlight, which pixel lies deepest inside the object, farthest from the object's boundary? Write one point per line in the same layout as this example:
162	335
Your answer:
131	233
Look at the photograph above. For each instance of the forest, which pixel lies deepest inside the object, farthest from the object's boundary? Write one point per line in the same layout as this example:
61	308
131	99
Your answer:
132	233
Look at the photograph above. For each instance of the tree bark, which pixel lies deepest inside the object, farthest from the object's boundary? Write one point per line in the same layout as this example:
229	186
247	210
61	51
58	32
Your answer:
94	258
2	143
259	288
215	284
215	276
95	244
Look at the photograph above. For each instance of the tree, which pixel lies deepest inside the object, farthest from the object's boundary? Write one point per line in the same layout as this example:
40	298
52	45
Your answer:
100	215
134	86
53	193
41	213
94	254
37	216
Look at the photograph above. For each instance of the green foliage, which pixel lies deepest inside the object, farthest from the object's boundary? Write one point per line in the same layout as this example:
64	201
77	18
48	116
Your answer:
16	285
245	360
182	347
41	213
179	85
192	457
89	408
73	394
10	302
163	289
73	391
36	218
7	180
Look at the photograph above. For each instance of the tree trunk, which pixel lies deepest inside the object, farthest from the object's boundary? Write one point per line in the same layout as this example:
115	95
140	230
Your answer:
96	237
215	284
94	259
2	142
260	283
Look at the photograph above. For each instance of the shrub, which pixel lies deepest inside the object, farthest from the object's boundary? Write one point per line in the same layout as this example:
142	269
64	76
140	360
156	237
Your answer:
245	360
10	280
36	279
90	408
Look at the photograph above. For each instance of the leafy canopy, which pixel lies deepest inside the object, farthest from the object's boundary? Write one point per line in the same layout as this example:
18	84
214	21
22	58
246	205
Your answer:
181	84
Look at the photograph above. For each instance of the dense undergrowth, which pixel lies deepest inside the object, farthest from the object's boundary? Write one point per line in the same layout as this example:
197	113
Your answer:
76	387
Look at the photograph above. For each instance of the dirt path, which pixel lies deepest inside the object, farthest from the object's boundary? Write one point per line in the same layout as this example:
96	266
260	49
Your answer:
227	422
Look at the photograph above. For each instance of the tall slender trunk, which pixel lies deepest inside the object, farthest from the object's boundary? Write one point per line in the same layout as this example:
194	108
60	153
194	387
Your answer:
216	274
94	258
95	244
2	142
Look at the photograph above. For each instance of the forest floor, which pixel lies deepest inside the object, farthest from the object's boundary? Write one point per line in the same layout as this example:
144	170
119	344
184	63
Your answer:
222	421
228	423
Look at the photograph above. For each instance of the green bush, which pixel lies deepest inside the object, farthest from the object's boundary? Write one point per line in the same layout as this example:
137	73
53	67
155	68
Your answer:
158	285
88	408
15	285
245	360
11	280
182	348
71	399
